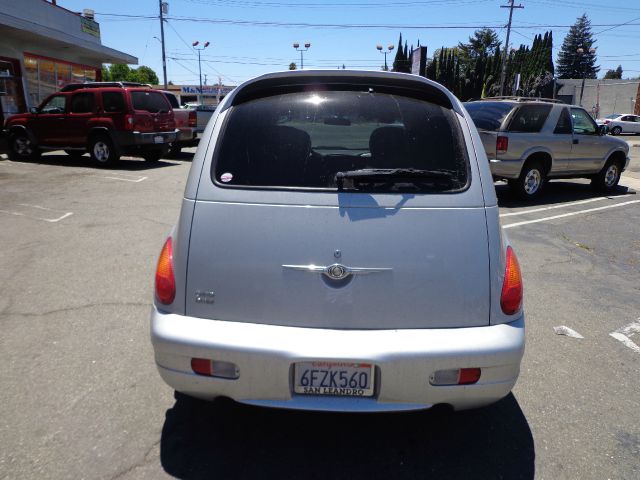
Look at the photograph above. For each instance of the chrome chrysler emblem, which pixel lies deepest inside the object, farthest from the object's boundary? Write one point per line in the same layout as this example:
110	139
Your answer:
336	271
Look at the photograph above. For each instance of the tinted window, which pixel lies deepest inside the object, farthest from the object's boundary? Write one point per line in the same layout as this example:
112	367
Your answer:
172	100
564	122
488	115
615	115
303	139
582	122
152	102
82	102
529	118
627	119
113	102
55	104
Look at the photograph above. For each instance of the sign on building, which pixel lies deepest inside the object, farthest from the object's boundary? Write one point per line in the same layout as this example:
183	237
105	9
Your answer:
207	90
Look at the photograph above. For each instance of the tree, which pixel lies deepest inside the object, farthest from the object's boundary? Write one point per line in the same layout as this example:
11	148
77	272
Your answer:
123	73
143	74
484	43
571	62
614	74
293	66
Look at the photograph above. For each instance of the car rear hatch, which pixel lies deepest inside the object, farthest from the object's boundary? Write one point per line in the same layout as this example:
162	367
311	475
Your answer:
280	237
152	111
488	118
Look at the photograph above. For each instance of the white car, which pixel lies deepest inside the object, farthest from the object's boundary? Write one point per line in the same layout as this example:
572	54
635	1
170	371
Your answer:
621	123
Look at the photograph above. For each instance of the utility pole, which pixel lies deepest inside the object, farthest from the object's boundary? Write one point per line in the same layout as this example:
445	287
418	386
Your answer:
511	6
164	58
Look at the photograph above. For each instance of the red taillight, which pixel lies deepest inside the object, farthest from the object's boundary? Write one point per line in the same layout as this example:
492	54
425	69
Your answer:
193	118
502	144
165	280
201	366
469	376
607	122
129	122
511	298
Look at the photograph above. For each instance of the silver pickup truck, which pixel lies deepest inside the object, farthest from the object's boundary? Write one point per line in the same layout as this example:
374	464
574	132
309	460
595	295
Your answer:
528	141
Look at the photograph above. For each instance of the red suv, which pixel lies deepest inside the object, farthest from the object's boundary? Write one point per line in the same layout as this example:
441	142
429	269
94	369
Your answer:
107	119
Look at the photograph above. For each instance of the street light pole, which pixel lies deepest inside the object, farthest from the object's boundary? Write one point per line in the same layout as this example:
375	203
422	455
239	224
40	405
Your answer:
581	52
503	75
297	47
389	48
163	6
195	47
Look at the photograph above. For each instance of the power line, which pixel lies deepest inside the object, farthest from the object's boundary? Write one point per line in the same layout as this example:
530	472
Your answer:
503	75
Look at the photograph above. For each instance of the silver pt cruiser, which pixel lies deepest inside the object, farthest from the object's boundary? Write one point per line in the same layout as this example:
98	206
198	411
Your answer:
339	248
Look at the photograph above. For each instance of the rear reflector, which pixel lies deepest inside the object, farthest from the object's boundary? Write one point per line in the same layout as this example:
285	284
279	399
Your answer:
193	118
502	144
214	368
511	297
460	376
165	280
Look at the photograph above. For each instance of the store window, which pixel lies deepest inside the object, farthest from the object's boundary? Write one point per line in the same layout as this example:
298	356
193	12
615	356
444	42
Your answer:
46	76
11	96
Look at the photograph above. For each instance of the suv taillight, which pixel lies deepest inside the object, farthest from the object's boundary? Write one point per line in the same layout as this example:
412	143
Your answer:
165	280
502	144
193	118
129	122
606	122
511	297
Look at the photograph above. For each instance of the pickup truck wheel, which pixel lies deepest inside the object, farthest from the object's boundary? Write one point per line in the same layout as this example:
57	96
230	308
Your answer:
22	148
152	156
175	150
607	179
616	131
530	182
103	151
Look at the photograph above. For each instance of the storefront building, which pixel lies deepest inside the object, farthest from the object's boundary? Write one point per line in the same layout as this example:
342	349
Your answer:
43	47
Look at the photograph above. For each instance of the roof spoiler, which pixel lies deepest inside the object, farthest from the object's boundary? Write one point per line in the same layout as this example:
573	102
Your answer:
518	99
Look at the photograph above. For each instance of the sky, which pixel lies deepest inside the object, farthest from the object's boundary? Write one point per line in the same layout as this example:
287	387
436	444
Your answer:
252	37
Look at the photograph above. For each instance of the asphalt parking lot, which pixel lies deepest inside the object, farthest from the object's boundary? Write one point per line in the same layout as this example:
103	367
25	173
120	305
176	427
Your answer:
82	399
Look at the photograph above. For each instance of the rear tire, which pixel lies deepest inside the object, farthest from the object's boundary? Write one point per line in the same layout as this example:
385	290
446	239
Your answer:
175	151
607	179
530	182
22	148
616	130
103	151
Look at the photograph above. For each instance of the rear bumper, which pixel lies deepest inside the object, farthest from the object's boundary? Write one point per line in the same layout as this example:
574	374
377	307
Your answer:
187	137
505	168
404	361
152	139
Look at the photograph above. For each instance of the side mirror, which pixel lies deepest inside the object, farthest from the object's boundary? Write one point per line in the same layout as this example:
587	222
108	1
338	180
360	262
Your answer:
603	129
33	110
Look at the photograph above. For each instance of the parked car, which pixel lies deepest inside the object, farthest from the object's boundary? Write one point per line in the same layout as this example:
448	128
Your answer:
621	123
107	119
351	266
529	141
186	123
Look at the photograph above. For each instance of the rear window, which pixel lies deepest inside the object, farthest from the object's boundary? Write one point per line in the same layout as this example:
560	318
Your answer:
488	115
172	100
303	139
529	118
152	102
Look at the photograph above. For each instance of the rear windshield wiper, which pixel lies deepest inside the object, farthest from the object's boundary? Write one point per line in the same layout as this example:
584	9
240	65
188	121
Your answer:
391	175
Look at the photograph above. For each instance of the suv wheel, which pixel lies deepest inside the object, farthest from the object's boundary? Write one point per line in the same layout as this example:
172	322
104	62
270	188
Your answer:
608	177
616	131
530	182
22	148
103	151
175	150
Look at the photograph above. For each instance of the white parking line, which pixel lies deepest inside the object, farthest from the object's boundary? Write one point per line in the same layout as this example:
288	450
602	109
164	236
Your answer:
134	178
35	217
570	214
562	205
623	334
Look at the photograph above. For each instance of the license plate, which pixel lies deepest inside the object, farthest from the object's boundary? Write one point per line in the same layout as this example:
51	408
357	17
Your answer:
344	379
158	139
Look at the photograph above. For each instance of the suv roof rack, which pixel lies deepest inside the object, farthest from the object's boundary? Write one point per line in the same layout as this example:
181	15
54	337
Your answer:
522	99
77	86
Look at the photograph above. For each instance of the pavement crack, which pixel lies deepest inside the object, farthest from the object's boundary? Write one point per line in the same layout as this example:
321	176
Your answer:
76	308
140	463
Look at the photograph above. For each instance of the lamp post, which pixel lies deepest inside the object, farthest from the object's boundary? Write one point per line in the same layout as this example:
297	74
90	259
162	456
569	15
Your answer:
581	52
296	45
385	52
195	47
